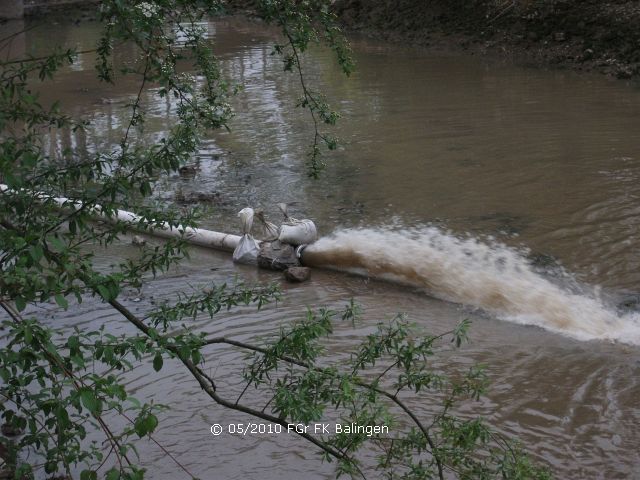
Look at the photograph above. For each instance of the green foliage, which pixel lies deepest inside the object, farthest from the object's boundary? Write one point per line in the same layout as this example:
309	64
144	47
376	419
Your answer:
372	388
60	388
303	24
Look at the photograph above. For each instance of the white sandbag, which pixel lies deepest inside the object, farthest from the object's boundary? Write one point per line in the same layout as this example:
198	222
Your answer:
284	208
298	232
246	219
247	249
271	230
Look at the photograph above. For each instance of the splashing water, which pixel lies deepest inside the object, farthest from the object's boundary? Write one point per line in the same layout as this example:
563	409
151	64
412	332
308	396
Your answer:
494	278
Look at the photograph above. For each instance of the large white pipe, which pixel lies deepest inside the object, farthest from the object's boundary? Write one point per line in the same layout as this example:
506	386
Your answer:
195	236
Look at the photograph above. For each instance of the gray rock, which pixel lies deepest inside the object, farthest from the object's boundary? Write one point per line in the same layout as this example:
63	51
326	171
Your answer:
297	274
277	256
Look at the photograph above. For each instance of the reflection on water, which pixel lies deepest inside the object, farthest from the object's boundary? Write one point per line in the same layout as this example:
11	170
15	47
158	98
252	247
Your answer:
544	160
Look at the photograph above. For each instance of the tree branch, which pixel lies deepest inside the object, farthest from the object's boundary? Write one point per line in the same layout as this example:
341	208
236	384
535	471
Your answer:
208	386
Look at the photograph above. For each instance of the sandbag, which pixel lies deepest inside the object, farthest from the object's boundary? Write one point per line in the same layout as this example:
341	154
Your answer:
246	220
298	232
247	249
271	230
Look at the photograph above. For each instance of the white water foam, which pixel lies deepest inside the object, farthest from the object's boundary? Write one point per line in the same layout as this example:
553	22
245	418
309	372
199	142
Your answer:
491	277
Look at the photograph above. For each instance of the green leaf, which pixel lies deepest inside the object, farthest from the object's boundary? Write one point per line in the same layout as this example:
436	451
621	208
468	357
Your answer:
73	342
195	356
58	245
50	467
36	253
145	424
104	292
88	475
90	401
62	416
21	304
157	362
28	335
112	474
151	422
61	301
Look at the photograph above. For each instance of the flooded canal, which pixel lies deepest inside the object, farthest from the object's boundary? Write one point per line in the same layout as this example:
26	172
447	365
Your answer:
507	195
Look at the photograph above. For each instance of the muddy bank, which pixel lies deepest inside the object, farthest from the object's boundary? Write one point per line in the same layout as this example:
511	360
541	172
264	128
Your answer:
588	35
86	8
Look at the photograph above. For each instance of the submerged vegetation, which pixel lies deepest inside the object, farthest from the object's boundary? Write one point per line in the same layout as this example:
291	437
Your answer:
63	389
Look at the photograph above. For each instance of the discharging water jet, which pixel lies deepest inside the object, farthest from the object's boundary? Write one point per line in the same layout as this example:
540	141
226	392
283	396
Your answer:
494	278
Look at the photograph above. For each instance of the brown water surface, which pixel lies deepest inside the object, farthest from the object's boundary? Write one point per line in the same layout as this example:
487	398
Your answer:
537	160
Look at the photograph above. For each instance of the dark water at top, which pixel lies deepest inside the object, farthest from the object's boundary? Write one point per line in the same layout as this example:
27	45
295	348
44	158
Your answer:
538	160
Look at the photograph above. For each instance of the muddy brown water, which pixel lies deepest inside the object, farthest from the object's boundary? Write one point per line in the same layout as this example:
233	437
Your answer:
449	164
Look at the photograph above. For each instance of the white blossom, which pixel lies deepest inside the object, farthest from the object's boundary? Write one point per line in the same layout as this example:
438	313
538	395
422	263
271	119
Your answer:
148	9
